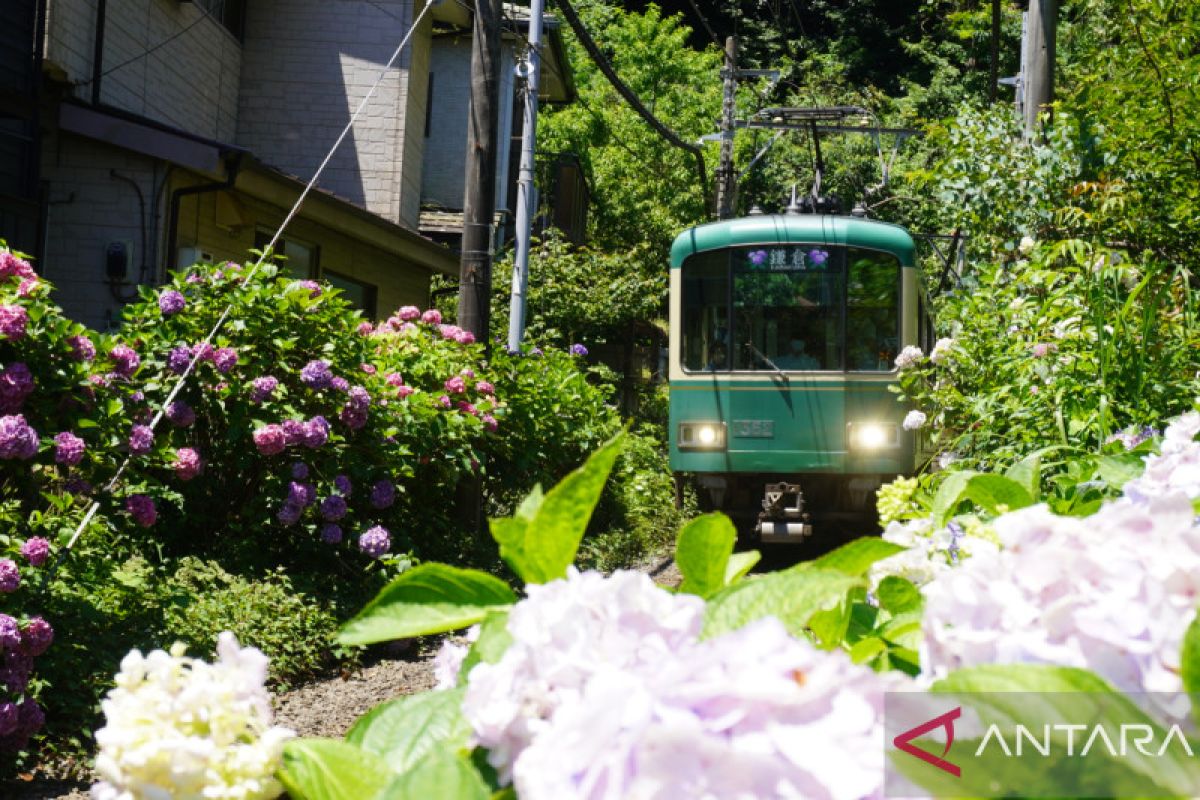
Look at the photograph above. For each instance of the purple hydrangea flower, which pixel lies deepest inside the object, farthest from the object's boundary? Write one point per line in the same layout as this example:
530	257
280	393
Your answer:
179	358
339	384
68	448
289	514
293	431
316	432
354	413
11	265
141	509
141	439
342	484
37	636
432	317
203	351
301	494
537	351
299	470
10	633
36	550
17	439
331	533
316	374
818	257
181	414
757	257
485	387
314	288
31	717
125	360
225	359
188	463
10	576
578	350
82	348
375	542
444	401
171	302
13	320
333	507
261	389
270	439
383	494
16	384
77	486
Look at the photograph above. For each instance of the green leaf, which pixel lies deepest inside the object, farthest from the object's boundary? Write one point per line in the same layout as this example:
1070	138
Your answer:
831	624
949	495
405	730
792	595
856	557
541	540
1189	663
330	769
867	649
443	775
1117	470
1028	473
739	564
898	595
702	552
996	493
431	598
493	640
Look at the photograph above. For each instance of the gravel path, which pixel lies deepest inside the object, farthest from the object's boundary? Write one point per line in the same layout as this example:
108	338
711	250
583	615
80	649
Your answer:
326	707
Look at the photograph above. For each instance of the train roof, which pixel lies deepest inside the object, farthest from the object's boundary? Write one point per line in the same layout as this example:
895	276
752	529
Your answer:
769	229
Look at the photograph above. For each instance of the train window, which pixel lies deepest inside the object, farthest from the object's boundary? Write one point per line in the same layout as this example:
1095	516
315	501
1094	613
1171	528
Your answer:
787	308
706	311
872	310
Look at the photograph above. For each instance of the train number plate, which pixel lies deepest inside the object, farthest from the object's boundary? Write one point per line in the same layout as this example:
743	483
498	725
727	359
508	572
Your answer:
754	428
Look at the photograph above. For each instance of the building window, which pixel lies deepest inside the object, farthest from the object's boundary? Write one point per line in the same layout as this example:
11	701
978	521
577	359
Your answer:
230	13
360	295
298	259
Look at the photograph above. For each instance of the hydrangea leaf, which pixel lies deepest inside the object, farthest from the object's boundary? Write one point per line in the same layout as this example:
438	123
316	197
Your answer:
996	493
493	641
1028	472
949	495
739	564
702	552
867	649
830	626
540	542
405	730
1117	470
793	596
330	769
1189	662
443	774
856	557
898	595
430	598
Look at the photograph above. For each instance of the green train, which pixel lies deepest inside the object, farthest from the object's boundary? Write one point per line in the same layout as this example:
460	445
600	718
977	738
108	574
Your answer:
784	333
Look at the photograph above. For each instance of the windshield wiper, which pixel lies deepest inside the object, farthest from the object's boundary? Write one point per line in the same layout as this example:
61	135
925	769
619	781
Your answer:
763	358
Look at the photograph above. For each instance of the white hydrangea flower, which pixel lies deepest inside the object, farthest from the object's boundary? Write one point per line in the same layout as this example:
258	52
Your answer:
930	551
607	692
914	420
179	727
1177	468
1113	593
450	657
1026	245
910	356
941	350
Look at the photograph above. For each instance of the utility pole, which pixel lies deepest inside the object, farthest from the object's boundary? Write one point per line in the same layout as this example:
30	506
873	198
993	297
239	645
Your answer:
526	191
725	172
479	201
479	194
1037	61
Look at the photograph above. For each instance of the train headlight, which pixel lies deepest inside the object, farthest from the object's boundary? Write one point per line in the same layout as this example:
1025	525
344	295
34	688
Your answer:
873	435
701	435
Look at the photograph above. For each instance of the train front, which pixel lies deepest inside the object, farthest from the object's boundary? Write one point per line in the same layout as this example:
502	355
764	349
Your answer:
784	333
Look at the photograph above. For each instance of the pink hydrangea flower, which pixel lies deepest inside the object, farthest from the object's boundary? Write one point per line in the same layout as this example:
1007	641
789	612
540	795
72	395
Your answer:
68	448
188	463
444	401
125	360
464	337
485	387
13	320
368	368
36	550
395	379
141	509
432	317
409	313
456	385
10	265
82	348
365	329
28	287
403	391
270	439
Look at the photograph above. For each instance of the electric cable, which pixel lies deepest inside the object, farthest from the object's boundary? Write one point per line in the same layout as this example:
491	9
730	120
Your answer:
203	16
196	351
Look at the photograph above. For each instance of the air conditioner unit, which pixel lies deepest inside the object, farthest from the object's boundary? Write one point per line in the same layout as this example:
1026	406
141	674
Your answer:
192	255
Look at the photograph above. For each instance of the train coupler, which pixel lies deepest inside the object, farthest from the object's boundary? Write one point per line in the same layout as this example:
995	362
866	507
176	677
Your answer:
783	518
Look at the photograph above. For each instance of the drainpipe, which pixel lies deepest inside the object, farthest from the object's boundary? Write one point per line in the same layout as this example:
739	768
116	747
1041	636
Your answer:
98	53
231	170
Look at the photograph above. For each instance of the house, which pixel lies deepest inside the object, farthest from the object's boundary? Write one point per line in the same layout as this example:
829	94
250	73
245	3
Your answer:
143	135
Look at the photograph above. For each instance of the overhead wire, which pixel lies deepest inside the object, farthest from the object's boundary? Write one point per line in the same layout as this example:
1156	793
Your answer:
197	351
203	16
606	68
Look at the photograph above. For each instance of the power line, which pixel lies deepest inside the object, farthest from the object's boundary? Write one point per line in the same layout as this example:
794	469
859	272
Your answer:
704	21
632	99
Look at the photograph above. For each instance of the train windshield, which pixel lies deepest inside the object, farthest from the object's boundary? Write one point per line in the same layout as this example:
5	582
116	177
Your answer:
791	307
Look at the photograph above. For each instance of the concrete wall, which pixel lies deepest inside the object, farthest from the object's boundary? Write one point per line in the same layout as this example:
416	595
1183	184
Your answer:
88	209
446	150
190	82
307	66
